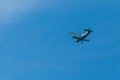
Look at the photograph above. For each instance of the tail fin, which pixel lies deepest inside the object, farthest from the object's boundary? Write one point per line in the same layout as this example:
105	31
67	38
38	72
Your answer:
88	29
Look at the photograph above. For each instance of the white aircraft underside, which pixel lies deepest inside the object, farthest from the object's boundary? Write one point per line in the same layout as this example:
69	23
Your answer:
81	37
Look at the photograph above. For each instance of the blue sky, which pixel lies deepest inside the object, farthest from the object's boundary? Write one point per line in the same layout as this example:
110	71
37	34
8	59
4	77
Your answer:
35	44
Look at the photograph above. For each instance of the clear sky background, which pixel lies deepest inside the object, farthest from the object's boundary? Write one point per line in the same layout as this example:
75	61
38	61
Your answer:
35	44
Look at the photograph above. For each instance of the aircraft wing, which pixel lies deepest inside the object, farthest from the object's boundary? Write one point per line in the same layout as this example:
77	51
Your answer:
75	34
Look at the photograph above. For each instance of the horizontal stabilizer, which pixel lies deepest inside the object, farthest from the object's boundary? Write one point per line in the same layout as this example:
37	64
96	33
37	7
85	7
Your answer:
75	37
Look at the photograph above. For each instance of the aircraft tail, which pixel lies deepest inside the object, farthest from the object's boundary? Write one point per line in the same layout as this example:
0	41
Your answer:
88	30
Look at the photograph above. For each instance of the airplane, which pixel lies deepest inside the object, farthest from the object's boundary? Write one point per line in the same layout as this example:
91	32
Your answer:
81	37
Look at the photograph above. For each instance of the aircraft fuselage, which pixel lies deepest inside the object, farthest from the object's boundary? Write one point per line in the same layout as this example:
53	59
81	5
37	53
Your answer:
83	36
